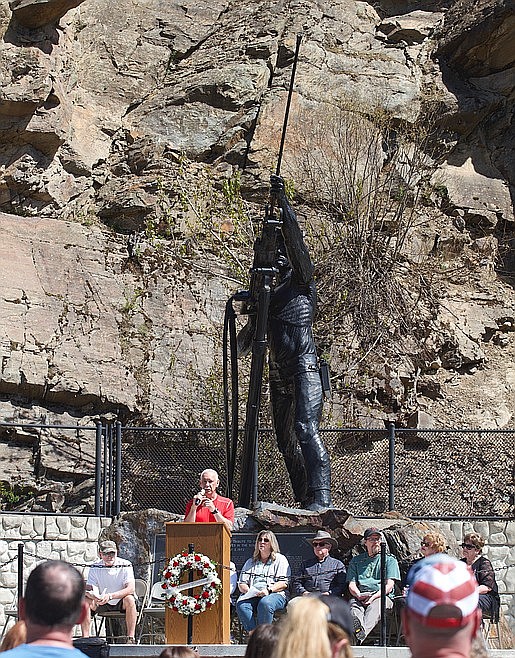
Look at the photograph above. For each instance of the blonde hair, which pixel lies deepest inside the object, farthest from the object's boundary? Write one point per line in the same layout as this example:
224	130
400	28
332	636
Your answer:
436	541
15	636
305	632
274	545
475	539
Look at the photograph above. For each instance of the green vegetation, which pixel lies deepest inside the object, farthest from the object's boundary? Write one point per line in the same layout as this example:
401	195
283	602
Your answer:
13	495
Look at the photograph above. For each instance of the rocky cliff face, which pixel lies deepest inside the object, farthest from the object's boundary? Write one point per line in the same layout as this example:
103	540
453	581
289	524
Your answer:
147	117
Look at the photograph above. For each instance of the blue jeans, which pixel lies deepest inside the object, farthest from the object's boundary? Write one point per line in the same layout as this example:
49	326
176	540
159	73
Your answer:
259	610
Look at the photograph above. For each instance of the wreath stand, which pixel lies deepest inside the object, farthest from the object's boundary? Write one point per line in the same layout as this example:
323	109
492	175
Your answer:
213	625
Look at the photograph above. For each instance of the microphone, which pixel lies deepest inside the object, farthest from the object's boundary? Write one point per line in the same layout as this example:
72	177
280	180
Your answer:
197	501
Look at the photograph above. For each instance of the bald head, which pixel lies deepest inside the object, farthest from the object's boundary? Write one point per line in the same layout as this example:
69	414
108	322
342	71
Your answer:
54	595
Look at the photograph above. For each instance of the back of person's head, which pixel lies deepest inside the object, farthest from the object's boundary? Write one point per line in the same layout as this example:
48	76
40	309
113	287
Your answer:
15	636
262	641
441	604
54	595
178	652
316	626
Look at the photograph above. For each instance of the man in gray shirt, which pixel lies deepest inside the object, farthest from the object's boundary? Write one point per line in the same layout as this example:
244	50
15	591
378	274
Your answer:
322	574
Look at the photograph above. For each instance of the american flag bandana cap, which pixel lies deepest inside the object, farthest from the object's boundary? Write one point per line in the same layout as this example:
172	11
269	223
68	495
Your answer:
442	592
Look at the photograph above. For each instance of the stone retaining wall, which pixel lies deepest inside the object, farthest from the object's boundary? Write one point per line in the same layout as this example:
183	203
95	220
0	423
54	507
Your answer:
74	539
70	538
500	550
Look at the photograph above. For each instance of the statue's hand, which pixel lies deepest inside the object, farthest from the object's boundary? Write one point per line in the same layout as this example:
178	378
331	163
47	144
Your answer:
276	186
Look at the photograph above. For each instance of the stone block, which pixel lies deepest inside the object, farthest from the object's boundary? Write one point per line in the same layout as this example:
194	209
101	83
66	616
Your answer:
78	534
510	533
6	596
39	525
497	538
457	530
78	521
10	521
496	527
44	549
52	529
93	528
64	525
10	580
27	528
509	579
483	529
497	554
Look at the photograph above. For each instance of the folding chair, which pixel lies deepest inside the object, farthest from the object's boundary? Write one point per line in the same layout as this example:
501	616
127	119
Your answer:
152	613
111	618
489	623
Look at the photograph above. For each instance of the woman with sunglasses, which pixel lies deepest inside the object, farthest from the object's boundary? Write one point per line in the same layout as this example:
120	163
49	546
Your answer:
263	583
432	542
472	548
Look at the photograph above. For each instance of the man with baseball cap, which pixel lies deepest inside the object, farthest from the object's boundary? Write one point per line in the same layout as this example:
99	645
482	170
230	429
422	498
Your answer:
441	616
110	586
364	579
321	574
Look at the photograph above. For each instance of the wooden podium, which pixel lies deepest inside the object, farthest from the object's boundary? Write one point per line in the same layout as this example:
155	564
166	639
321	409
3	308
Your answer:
213	625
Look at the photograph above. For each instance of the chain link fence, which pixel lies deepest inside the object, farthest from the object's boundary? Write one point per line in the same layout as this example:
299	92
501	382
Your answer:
419	473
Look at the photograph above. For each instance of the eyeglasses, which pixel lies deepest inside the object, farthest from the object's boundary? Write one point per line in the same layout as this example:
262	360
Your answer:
425	544
469	547
263	539
319	543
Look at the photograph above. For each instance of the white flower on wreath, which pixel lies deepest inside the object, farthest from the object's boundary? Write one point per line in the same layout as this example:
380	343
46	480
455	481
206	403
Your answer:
171	579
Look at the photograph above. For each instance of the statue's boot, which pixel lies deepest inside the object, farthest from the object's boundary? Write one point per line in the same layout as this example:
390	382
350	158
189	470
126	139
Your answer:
321	500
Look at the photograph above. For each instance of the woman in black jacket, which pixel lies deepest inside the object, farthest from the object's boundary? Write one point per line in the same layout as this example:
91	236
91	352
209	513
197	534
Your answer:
482	567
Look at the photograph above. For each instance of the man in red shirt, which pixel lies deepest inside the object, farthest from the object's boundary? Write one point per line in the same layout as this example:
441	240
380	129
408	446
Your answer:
207	506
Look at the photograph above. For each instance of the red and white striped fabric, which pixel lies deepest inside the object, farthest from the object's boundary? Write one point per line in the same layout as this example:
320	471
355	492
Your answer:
442	592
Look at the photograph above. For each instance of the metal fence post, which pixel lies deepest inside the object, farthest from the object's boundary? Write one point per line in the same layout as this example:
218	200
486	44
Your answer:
382	638
255	492
391	467
118	470
98	466
20	579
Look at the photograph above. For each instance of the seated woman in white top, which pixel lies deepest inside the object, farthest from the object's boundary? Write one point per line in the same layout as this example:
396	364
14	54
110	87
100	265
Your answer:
263	582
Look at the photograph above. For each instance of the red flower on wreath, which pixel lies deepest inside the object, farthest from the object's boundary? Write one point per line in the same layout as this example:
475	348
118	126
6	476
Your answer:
205	595
168	574
197	558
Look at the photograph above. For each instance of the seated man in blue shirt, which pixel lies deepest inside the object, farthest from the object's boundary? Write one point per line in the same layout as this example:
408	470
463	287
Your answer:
321	574
364	579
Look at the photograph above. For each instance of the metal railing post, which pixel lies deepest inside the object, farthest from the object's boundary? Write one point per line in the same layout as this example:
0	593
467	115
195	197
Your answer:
20	579
382	638
391	467
106	470
98	466
110	473
256	472
118	470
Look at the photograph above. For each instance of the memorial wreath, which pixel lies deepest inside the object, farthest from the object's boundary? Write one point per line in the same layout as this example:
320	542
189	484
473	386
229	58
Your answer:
172	586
